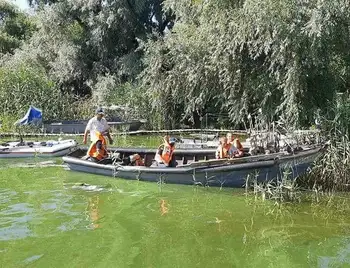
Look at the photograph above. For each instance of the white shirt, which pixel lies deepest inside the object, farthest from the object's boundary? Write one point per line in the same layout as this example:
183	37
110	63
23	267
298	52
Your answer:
96	125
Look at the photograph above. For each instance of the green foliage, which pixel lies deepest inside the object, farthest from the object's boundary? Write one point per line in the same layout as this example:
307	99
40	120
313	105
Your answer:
332	169
180	60
287	57
82	44
15	27
28	85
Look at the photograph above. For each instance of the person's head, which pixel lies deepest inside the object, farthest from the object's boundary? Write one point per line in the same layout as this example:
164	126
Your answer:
99	113
172	141
230	137
223	141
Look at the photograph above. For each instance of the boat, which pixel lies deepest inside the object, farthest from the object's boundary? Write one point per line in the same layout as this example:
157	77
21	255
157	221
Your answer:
78	126
50	148
198	166
14	149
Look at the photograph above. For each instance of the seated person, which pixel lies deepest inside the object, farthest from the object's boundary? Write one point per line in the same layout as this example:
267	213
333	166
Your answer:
133	160
237	148
224	149
98	149
165	153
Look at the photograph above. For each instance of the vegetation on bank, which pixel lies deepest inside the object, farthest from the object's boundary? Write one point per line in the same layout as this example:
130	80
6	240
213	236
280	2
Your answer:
330	172
174	61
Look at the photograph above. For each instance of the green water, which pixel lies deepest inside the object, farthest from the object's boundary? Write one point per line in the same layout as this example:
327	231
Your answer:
48	220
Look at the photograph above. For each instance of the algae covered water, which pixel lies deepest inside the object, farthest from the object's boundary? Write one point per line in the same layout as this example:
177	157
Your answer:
51	217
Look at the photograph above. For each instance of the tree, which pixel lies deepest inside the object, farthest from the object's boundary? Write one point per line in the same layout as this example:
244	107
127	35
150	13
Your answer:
15	27
286	58
81	42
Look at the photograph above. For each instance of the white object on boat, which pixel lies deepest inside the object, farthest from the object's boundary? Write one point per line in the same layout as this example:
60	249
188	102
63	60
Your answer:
41	149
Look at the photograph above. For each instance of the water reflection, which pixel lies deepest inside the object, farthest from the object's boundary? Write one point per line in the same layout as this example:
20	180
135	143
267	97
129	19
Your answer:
341	257
6	195
93	211
28	163
163	207
14	221
32	259
62	209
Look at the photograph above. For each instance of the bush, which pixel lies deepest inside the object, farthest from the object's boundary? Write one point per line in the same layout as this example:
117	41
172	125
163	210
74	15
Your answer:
332	170
25	85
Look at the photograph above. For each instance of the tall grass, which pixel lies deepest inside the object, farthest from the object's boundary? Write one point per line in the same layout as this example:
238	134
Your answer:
331	171
26	85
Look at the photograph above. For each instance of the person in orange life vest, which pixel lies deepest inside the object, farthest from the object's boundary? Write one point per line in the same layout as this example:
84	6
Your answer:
237	148
97	124
98	148
224	149
133	160
165	153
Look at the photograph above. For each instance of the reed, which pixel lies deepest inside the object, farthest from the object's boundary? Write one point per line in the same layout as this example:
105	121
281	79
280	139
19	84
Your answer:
283	189
331	171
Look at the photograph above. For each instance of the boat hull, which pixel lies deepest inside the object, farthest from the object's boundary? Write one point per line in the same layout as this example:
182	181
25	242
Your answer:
231	175
56	150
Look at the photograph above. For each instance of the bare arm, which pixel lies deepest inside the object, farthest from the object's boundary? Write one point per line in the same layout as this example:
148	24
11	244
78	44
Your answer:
108	134
85	135
87	131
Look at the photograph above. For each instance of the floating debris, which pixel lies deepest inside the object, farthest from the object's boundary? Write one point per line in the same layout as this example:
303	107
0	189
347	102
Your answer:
90	188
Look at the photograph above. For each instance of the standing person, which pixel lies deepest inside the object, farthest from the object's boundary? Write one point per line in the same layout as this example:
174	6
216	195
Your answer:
97	124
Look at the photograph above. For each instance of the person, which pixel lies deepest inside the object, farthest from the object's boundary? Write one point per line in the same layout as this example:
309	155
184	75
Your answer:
237	148
98	149
97	124
224	149
165	153
133	160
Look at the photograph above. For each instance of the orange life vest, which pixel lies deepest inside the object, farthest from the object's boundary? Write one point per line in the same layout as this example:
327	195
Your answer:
136	160
223	151
167	153
98	154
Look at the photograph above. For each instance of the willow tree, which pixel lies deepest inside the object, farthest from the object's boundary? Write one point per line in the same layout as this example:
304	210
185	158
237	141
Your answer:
81	43
285	57
15	27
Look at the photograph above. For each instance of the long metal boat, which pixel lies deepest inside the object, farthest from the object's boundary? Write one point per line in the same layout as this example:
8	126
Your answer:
198	166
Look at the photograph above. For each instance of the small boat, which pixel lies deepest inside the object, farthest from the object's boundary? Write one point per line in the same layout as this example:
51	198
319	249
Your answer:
15	149
78	126
198	166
